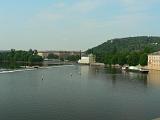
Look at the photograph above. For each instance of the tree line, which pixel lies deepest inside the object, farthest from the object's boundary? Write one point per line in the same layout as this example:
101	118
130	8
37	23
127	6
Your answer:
73	58
130	58
132	50
15	56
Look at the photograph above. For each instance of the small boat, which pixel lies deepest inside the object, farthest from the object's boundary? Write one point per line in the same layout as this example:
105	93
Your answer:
36	67
142	70
135	69
125	68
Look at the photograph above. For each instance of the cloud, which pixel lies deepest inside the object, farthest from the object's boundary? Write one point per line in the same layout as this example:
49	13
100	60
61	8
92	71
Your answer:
78	22
136	2
138	5
58	5
49	16
86	6
131	12
61	10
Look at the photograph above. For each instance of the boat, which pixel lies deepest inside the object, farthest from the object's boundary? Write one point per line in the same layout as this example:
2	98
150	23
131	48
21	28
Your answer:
125	68
36	67
135	69
142	70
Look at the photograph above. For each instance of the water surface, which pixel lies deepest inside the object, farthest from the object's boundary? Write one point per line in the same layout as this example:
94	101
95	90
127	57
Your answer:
79	93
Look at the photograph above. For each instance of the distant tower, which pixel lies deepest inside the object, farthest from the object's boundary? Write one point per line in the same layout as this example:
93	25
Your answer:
80	53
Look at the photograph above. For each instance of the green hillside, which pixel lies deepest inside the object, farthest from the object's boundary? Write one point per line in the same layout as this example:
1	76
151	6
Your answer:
113	50
128	44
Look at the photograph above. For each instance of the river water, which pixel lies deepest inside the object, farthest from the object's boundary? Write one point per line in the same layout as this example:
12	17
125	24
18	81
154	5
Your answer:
79	93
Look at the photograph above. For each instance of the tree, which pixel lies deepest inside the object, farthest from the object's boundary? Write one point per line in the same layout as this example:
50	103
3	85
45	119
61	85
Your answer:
30	51
52	56
107	59
147	50
35	52
114	50
122	59
13	56
143	59
35	60
100	57
73	57
128	50
133	59
114	59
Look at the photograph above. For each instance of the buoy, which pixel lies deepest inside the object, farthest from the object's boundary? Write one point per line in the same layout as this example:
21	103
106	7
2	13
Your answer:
42	77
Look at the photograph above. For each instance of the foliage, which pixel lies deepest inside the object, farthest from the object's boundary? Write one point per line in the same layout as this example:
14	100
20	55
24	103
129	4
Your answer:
131	50
73	57
35	58
143	59
133	59
52	56
13	56
127	45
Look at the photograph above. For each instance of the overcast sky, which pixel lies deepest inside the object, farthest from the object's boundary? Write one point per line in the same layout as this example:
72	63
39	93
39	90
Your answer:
74	24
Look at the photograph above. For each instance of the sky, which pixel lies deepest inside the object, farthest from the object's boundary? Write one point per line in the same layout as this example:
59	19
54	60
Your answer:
74	24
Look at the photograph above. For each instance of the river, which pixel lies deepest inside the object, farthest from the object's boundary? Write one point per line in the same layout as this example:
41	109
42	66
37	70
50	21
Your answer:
79	93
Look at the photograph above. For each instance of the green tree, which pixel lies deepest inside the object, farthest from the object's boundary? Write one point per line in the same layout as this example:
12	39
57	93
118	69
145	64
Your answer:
114	59
31	52
143	59
73	57
133	59
107	59
114	50
35	52
35	58
52	56
122	59
147	50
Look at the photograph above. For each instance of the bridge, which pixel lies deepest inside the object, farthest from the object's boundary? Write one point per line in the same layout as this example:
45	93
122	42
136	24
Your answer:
62	54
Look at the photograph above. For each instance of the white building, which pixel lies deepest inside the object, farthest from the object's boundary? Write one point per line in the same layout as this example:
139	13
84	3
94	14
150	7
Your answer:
87	60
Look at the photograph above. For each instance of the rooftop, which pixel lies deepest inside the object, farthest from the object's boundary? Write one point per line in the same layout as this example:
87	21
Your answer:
155	53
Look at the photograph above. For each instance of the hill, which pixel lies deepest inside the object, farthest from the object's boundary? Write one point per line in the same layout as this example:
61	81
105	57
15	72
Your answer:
109	52
127	45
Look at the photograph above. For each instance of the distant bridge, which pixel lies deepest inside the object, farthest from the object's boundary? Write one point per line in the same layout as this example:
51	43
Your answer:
47	63
44	54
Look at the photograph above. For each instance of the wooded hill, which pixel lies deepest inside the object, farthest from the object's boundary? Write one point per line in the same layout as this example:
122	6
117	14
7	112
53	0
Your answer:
112	51
127	45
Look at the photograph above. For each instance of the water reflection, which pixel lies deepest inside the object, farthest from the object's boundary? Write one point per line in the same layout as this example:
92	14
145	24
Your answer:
116	76
112	70
90	71
154	78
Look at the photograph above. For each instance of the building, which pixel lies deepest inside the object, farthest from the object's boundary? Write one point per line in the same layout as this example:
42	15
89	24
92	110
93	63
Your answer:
61	54
87	60
154	61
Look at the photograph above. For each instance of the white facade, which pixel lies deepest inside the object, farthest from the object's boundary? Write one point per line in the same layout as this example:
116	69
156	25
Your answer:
87	60
84	60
